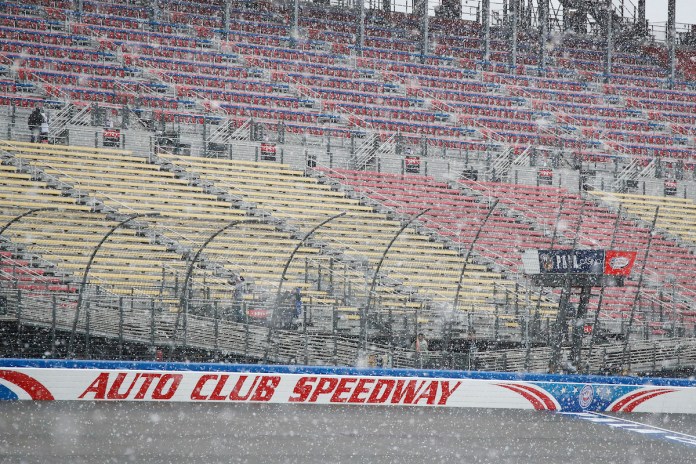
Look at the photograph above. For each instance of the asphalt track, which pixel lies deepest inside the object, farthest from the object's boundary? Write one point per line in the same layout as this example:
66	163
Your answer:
45	432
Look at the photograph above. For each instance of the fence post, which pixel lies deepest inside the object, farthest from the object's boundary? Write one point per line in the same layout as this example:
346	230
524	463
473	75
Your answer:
88	341
54	309
678	356
120	327
528	352
152	326
246	328
334	329
185	338
304	333
19	309
216	316
654	357
604	359
18	345
496	324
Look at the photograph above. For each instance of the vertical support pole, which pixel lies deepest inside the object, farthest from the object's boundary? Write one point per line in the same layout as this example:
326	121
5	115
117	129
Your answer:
561	324
295	27
514	11
543	34
578	328
486	26
425	26
672	39
642	25
361	26
610	40
226	17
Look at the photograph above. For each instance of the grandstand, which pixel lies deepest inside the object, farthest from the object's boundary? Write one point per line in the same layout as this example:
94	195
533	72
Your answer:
349	164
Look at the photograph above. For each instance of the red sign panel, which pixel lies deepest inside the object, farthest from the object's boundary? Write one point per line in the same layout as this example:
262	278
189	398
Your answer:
257	313
112	133
412	161
619	262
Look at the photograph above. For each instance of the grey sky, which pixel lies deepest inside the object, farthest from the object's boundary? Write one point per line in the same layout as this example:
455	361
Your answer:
656	10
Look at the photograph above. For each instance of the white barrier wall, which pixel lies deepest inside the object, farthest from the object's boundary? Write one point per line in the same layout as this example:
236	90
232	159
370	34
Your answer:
122	381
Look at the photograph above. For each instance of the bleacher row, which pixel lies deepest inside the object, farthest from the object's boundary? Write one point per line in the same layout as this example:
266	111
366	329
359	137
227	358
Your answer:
140	260
183	64
456	213
185	43
194	197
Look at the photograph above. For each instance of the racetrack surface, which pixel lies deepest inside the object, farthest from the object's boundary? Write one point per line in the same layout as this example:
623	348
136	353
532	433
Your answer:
76	432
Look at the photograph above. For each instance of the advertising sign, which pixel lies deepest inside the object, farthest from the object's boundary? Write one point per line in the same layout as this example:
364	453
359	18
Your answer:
268	151
572	261
112	138
545	176
619	262
412	164
592	262
122	381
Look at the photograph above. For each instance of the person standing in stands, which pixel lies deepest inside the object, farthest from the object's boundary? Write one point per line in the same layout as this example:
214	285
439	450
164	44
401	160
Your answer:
239	290
35	120
238	286
421	348
298	302
44	126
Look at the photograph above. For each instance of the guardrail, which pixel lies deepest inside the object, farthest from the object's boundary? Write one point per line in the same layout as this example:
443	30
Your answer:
144	322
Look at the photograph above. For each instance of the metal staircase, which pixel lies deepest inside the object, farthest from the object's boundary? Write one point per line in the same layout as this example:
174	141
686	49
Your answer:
365	152
227	132
70	114
633	171
500	167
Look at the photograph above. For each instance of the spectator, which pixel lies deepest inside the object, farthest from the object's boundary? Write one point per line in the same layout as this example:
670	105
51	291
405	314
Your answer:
44	126
421	344
35	120
298	302
239	289
421	348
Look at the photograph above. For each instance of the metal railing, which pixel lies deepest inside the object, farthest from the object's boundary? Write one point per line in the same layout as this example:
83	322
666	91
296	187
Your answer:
131	320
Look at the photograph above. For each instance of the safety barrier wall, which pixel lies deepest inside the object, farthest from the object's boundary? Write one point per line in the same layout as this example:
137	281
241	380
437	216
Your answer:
22	379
